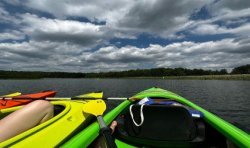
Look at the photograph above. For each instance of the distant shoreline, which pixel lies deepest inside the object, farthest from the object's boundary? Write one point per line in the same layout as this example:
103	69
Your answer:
238	73
212	77
202	77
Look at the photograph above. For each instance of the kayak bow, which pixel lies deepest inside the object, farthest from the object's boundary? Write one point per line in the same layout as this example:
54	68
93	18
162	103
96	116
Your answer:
24	99
206	131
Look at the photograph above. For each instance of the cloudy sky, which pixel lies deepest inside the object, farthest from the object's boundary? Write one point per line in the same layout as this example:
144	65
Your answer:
115	35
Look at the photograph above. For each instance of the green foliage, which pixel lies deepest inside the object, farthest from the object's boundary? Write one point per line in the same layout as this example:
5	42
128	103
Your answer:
245	69
155	72
38	75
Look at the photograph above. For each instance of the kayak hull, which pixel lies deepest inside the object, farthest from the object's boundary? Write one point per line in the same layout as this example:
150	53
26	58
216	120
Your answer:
229	131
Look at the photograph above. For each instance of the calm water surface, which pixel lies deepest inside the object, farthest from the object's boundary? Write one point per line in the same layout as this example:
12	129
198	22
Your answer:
228	99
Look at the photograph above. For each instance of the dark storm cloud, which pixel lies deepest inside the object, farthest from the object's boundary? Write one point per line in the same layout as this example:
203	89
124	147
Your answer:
164	17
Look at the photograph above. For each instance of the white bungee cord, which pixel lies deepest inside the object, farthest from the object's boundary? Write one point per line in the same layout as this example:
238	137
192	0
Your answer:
141	115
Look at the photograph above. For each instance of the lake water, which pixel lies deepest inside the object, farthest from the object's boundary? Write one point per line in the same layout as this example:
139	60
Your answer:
228	99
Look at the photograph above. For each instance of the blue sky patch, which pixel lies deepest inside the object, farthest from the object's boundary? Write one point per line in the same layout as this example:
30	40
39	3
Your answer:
201	14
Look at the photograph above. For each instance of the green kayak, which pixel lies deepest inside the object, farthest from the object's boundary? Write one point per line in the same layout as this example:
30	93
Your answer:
159	118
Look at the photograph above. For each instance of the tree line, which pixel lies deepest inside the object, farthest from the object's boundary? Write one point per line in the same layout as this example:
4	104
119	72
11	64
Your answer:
155	72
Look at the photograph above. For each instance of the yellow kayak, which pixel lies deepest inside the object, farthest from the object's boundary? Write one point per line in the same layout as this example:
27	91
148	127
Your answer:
55	131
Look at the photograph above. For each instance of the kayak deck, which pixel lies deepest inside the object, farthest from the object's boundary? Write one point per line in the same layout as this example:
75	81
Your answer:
54	131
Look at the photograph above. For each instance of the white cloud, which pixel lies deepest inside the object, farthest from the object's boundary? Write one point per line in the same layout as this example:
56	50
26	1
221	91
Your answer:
210	55
60	44
53	56
126	17
33	55
231	21
230	17
233	4
213	29
95	9
243	30
11	35
209	29
63	30
228	14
